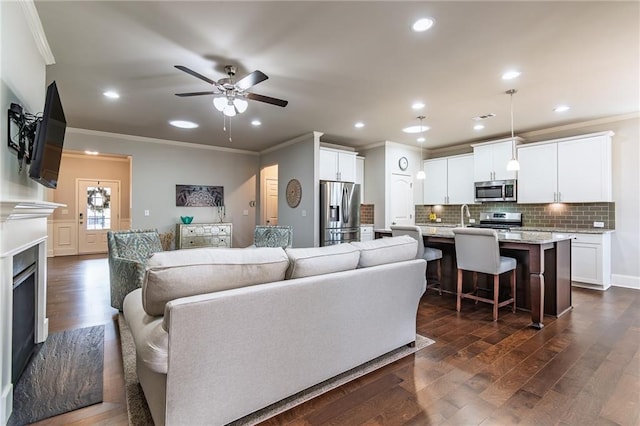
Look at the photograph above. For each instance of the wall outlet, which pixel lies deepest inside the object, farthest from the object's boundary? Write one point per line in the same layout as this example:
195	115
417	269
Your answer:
304	213
598	224
472	221
438	220
245	212
146	212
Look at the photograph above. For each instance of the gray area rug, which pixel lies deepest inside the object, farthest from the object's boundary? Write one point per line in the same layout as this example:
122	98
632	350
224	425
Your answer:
64	375
138	410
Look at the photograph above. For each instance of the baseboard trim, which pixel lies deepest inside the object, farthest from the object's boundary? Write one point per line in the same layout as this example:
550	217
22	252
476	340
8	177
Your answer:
626	281
6	403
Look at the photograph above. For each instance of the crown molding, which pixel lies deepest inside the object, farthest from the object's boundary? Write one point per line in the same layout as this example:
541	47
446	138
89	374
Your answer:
35	25
157	141
314	134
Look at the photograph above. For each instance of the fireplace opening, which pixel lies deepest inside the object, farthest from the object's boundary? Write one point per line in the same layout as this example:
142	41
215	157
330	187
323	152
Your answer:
24	311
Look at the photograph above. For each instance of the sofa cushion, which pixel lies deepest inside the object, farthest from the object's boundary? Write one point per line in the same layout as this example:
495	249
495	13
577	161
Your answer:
151	339
307	262
173	274
386	250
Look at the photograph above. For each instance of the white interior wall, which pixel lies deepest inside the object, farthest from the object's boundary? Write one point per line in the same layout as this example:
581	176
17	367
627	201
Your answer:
298	159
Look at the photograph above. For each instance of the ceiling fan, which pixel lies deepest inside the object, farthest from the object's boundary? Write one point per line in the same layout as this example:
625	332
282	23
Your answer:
230	94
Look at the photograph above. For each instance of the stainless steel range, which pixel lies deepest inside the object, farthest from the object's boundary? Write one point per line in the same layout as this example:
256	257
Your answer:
499	220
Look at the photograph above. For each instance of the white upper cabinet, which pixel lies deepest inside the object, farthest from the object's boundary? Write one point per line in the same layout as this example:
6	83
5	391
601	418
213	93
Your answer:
570	170
449	180
337	165
491	158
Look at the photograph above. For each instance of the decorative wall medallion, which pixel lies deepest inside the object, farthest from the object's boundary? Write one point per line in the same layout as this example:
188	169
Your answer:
294	193
403	163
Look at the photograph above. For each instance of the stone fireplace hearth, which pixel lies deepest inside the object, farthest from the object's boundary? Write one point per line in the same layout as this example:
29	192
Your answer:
23	226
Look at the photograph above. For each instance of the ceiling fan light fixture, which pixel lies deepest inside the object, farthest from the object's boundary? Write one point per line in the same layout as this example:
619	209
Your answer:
421	174
220	103
229	110
241	105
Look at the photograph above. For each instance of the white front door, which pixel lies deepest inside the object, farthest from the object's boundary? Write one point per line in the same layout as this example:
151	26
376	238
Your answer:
272	202
98	204
401	199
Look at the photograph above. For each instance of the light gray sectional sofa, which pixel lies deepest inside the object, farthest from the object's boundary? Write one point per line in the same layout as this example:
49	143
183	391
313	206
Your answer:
221	333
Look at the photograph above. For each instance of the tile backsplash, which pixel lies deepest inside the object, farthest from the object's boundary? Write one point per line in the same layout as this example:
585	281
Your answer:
575	215
366	214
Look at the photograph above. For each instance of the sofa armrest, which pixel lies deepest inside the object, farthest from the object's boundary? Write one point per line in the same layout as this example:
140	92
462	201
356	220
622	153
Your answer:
125	275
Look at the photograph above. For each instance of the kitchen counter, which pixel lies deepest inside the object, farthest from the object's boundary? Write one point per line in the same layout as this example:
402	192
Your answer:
519	235
543	281
530	228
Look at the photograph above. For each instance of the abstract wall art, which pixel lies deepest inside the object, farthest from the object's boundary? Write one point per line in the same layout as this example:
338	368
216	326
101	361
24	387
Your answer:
199	196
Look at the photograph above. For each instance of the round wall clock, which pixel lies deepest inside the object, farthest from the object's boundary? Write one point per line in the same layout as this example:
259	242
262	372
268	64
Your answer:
294	193
403	163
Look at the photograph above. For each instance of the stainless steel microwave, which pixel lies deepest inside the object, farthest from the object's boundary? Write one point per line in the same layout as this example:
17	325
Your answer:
496	190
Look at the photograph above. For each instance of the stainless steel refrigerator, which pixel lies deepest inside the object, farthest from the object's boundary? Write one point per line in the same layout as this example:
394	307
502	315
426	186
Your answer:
339	212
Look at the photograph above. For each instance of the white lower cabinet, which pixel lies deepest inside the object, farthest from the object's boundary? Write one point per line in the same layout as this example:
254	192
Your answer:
591	260
366	233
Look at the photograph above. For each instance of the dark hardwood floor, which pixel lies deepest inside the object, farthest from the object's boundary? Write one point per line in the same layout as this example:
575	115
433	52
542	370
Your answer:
581	369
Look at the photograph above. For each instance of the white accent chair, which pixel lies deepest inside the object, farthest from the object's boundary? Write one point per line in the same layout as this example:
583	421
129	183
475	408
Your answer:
477	250
427	253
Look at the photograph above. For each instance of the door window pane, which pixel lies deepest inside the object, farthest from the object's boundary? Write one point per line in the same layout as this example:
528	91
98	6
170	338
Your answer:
98	207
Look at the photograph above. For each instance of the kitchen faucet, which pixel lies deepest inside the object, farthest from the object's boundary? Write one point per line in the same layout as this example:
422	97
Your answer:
464	206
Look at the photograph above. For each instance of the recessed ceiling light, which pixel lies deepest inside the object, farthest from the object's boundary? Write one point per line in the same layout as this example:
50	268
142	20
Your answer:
417	105
562	108
478	127
416	129
111	94
359	125
182	124
256	123
423	24
91	152
510	75
421	139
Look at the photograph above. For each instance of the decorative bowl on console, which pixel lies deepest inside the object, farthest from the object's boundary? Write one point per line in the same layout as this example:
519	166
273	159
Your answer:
186	219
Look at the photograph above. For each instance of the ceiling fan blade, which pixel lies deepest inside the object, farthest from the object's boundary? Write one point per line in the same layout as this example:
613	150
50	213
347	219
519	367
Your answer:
267	99
184	95
251	80
195	74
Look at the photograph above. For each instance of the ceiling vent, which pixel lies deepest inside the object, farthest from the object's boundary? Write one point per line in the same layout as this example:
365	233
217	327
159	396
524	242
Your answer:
484	117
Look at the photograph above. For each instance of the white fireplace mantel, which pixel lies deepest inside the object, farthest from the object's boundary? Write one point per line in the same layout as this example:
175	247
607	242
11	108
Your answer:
26	209
16	236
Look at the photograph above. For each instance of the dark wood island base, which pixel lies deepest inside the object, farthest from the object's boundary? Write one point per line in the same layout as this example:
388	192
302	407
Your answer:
543	275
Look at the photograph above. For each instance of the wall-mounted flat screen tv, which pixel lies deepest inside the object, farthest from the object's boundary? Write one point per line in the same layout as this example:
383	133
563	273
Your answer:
49	138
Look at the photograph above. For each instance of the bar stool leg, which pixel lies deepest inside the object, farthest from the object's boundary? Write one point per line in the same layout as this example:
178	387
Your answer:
475	285
439	275
513	289
459	290
496	294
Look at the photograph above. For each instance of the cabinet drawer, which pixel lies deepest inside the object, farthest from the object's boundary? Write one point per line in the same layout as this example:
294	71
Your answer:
587	238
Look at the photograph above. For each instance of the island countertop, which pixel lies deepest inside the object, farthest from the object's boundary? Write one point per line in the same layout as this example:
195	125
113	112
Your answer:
532	228
526	237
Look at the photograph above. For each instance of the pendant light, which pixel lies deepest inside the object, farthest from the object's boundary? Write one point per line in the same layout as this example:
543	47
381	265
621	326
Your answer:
513	165
421	175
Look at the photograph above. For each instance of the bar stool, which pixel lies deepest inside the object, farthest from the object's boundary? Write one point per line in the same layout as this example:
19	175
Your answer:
427	253
477	250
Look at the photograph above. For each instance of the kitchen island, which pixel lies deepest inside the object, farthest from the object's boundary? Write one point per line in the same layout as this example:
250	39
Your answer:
543	275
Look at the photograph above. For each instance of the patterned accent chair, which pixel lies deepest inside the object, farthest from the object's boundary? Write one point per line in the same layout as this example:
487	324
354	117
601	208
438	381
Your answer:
128	252
273	236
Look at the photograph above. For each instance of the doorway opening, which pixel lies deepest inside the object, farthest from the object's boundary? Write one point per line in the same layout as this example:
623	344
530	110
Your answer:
269	195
